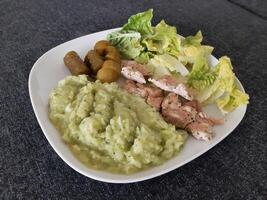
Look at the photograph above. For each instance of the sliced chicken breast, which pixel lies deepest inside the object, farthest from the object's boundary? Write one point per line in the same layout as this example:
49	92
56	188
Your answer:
188	116
169	84
176	110
153	95
134	71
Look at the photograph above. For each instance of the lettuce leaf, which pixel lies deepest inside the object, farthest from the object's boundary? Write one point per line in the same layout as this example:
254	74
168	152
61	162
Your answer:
164	40
191	49
140	41
172	64
230	102
193	40
201	76
140	22
226	77
144	57
223	81
156	68
127	42
216	85
190	54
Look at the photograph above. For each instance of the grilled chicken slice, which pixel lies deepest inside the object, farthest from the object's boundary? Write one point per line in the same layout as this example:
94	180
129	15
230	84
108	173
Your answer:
138	72
169	84
201	131
176	114
132	88
150	89
188	116
194	104
176	110
155	101
134	71
153	95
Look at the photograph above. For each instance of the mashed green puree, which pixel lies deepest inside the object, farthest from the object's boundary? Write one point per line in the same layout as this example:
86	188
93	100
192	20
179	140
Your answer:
109	129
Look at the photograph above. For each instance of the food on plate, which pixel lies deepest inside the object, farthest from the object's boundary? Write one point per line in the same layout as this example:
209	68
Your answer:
185	59
166	64
75	64
109	72
229	102
111	53
178	111
103	62
142	120
135	71
100	46
107	75
140	41
133	74
169	84
106	50
93	60
152	94
112	65
157	57
110	129
188	116
140	72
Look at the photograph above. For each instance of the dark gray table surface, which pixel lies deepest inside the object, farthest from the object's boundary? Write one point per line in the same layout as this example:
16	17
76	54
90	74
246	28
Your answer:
30	169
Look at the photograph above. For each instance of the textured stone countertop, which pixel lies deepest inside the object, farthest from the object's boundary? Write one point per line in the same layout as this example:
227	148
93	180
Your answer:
30	169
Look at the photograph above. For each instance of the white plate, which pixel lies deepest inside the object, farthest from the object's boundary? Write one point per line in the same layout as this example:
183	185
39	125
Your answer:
49	69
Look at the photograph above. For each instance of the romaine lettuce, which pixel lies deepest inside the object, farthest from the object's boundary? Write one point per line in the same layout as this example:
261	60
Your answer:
127	42
193	40
140	41
201	76
230	102
140	22
164	40
170	63
144	57
191	49
222	81
216	85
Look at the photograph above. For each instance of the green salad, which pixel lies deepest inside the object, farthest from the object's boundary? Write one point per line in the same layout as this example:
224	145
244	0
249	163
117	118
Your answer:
166	53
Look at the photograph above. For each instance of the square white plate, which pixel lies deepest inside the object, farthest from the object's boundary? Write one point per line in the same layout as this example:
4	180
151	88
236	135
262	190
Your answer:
49	69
